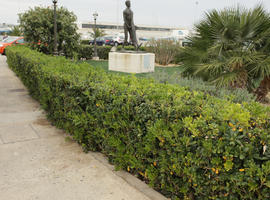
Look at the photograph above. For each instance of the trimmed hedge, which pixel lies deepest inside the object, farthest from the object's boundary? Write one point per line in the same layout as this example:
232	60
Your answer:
130	48
86	52
85	42
187	145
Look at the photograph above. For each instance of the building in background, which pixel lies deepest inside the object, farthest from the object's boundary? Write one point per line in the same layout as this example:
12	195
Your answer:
5	28
144	32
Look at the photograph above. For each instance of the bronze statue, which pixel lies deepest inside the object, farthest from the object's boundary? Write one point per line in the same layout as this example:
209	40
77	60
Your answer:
129	27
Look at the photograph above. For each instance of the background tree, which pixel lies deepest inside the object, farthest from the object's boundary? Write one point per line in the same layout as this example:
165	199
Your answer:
37	26
231	48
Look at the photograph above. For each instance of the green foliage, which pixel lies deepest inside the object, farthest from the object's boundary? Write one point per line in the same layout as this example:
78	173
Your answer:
173	75
130	48
96	33
38	28
103	52
187	145
16	31
164	50
237	95
231	48
85	42
86	52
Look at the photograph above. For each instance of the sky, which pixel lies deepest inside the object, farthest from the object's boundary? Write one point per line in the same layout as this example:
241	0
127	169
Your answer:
172	13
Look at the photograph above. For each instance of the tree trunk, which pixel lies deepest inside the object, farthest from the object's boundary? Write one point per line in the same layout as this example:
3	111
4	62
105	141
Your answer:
263	89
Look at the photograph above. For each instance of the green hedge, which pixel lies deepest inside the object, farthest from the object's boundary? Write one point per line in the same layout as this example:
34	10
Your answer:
187	145
85	42
86	52
130	48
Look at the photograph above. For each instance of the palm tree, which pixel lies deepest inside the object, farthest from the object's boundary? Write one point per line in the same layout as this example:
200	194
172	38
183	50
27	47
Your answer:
231	48
96	33
16	31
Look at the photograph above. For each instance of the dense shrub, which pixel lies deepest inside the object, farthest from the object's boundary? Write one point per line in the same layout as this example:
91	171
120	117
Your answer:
85	42
237	95
187	145
37	26
86	52
164	50
129	48
103	52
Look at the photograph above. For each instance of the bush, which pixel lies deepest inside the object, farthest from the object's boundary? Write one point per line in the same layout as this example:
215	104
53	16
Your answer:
187	145
87	51
85	42
103	52
236	95
130	48
164	50
37	26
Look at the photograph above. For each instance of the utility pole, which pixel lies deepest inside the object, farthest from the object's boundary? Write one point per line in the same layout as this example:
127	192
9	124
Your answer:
55	29
95	57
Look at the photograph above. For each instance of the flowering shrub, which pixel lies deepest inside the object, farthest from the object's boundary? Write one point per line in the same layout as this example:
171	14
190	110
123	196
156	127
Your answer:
185	144
165	50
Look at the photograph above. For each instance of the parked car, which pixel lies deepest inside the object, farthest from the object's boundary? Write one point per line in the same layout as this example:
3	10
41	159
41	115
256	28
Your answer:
99	40
109	40
118	40
10	41
102	41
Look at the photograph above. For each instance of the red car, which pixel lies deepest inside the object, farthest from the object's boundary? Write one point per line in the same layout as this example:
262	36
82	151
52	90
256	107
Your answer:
10	41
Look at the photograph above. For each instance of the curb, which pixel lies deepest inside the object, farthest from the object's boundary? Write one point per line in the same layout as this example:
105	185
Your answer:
130	179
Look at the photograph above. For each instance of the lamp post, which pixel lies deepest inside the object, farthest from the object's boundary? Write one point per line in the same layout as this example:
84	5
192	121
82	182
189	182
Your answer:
95	37
55	29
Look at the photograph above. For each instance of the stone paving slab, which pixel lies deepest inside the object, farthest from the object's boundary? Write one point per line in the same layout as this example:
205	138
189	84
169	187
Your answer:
53	168
1	141
13	117
18	133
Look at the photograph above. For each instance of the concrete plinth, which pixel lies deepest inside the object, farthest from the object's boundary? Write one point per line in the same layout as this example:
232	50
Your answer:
95	58
132	62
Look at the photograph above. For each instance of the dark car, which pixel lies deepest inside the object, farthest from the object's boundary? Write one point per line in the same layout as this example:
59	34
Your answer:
109	40
102	41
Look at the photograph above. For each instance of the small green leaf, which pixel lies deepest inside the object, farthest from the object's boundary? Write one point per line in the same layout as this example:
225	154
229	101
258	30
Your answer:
228	165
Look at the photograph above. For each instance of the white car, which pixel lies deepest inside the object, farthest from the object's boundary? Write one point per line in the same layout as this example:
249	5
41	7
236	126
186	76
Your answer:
118	40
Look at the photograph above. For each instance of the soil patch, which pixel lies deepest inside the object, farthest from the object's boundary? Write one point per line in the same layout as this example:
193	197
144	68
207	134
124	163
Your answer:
42	122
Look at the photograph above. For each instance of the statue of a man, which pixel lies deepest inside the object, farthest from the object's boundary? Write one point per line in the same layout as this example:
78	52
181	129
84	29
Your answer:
129	26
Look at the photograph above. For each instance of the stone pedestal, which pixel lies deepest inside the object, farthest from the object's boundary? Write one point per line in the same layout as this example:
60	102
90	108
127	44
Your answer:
132	62
95	58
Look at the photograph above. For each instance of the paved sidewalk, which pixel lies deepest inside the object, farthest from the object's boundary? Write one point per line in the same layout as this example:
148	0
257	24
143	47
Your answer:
37	162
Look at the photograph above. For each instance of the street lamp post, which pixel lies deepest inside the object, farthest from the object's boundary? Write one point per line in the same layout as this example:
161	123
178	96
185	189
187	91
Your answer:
95	37
55	29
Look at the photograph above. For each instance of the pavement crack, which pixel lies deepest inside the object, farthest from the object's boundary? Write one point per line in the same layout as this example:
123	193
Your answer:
36	132
21	141
1	139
